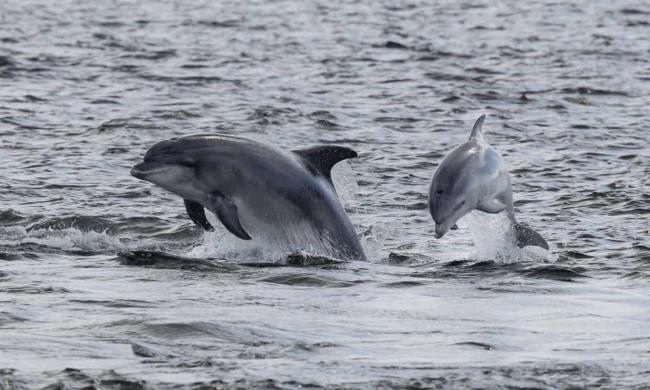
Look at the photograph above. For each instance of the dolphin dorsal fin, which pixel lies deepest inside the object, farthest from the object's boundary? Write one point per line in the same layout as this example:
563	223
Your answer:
323	158
477	130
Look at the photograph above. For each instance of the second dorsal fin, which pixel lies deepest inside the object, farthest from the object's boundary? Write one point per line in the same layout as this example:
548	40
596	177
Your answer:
323	158
477	130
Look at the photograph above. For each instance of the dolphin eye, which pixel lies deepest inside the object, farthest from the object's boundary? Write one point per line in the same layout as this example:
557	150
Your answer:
439	192
186	164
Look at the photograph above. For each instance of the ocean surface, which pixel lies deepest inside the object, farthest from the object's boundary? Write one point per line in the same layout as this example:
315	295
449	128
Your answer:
105	282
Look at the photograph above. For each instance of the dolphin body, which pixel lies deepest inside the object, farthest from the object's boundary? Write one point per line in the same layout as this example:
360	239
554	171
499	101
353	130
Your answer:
474	177
257	192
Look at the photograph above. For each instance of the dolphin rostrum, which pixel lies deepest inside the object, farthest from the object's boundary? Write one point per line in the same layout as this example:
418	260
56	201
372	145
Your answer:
256	191
474	177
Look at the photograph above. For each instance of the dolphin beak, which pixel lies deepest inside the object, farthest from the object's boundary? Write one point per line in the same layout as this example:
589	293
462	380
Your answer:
141	170
440	230
137	171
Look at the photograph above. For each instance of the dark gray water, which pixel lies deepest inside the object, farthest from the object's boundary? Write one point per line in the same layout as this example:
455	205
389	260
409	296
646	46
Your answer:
104	281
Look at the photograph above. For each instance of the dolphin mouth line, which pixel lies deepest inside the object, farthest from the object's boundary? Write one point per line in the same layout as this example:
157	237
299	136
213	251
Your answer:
144	169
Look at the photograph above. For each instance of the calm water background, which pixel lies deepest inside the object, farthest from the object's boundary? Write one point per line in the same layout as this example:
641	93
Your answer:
86	88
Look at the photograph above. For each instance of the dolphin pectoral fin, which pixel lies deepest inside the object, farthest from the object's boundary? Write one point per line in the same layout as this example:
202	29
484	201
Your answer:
492	206
197	214
323	158
226	210
526	236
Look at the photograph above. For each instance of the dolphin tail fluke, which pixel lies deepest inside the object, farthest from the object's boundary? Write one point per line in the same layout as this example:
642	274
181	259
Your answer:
526	236
197	214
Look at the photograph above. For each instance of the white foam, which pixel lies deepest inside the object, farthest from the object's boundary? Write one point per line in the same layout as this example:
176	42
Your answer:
347	188
345	182
494	240
373	240
66	239
221	244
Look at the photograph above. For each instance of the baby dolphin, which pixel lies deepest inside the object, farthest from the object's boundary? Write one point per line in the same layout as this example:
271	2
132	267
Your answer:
474	177
280	198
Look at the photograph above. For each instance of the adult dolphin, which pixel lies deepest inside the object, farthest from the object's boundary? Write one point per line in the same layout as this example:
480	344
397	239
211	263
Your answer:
256	191
474	177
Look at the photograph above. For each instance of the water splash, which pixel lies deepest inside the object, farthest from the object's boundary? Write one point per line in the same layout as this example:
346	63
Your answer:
345	182
493	237
373	238
494	240
221	244
64	239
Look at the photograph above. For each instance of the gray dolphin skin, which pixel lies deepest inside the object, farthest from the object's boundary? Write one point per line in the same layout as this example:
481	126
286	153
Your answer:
256	191
473	176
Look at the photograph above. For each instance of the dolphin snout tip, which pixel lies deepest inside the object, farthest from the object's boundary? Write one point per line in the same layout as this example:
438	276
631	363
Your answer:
440	231
137	171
